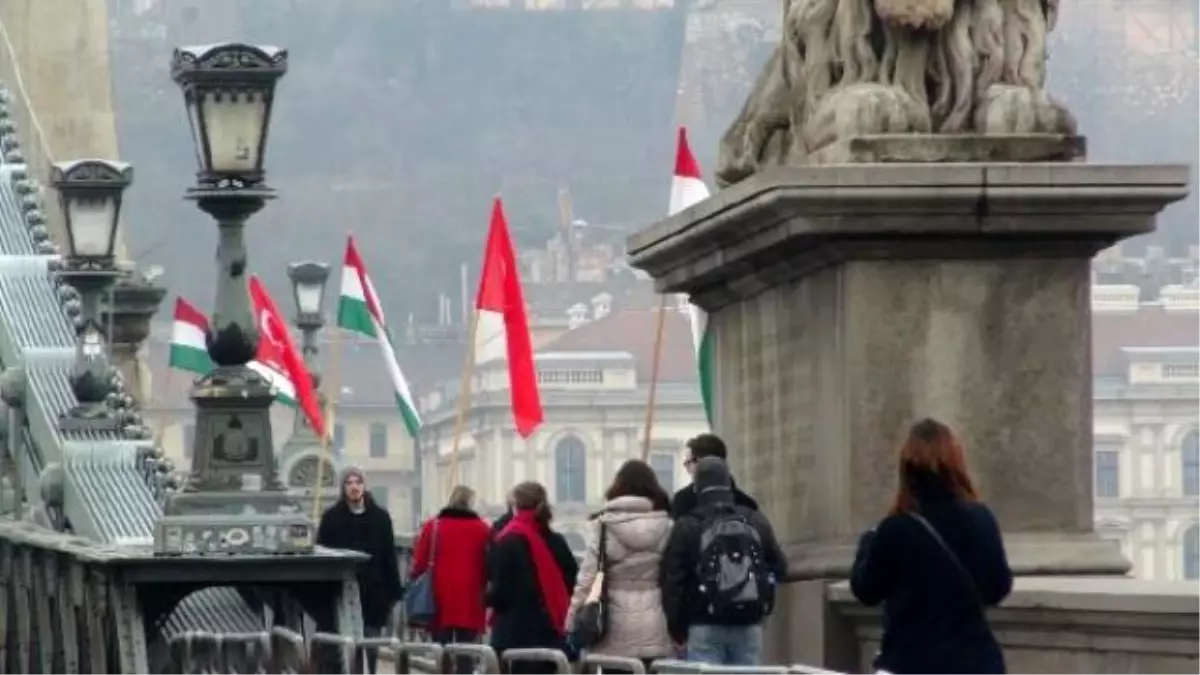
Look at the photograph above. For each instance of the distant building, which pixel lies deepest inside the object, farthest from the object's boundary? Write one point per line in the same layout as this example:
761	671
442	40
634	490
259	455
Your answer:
595	383
1147	443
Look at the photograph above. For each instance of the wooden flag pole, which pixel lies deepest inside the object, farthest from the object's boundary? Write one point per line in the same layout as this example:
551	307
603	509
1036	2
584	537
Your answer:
464	400
333	387
654	367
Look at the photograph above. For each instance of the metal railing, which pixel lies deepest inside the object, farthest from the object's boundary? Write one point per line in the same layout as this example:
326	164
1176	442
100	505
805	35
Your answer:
285	651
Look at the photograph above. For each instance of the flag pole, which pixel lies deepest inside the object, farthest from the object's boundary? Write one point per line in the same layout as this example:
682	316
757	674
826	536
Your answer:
464	399
333	388
654	367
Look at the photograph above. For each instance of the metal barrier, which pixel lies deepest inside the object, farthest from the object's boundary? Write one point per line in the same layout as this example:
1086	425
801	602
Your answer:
419	657
483	656
595	663
551	656
289	654
677	666
198	652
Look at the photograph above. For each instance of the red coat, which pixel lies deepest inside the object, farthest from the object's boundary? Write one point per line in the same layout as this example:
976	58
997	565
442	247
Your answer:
459	568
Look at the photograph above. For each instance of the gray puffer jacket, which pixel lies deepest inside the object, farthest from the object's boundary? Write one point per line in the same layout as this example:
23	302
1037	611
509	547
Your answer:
636	537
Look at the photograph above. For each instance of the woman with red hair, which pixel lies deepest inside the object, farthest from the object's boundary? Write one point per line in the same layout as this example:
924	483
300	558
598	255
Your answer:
936	562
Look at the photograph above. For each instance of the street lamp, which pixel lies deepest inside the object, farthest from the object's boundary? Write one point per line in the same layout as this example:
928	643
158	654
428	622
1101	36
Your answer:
89	192
228	90
309	279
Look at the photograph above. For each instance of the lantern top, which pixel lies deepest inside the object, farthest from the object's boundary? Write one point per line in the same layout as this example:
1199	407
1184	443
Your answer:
228	63
308	272
91	174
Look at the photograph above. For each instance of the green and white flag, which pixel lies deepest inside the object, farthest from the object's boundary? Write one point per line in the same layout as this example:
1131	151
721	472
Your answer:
189	352
688	189
359	311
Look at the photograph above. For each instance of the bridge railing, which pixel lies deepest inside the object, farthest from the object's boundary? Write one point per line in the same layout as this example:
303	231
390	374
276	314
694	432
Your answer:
285	651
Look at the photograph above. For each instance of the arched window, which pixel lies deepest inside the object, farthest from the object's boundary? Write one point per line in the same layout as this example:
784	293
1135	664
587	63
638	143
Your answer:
570	470
1191	553
1189	452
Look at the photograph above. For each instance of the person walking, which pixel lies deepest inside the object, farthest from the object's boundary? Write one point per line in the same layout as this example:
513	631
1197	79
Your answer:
634	527
719	573
455	544
936	563
357	523
704	445
532	572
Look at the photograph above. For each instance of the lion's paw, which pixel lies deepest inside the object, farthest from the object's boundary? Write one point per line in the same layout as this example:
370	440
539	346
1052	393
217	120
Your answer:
1014	109
864	109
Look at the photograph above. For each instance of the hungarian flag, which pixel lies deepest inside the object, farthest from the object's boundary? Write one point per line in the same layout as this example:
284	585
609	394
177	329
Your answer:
360	311
500	303
188	352
688	189
273	330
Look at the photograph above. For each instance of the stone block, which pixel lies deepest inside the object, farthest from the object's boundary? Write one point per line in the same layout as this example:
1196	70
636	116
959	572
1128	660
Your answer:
848	301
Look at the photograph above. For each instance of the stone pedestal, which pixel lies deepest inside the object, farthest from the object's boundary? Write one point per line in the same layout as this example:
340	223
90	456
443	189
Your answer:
848	301
1069	625
134	304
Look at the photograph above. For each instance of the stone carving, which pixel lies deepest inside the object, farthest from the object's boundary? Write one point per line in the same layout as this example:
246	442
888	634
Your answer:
233	446
848	69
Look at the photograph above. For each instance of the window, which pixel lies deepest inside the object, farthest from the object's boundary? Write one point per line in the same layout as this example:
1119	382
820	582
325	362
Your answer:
1189	452
1191	553
189	440
380	495
570	377
570	470
1181	371
379	439
1108	474
339	438
664	467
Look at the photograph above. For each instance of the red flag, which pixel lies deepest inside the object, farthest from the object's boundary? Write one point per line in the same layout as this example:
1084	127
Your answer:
275	333
500	293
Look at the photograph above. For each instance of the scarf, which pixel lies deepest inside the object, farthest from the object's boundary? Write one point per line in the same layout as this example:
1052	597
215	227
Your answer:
546	572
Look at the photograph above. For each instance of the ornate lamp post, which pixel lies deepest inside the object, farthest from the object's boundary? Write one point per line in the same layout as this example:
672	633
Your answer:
89	192
308	288
228	90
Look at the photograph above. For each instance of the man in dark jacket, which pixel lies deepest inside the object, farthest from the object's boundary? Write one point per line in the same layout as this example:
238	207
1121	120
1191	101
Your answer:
704	445
719	626
357	523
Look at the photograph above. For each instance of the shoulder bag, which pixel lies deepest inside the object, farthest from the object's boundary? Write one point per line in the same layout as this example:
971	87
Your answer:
963	571
420	605
591	621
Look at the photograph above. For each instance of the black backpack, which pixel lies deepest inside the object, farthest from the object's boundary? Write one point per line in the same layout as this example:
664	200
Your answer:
735	584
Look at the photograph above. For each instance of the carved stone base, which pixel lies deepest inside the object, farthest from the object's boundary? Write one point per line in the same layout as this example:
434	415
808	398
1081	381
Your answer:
941	148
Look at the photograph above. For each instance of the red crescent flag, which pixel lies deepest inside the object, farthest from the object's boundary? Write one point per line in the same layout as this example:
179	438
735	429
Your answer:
277	339
500	293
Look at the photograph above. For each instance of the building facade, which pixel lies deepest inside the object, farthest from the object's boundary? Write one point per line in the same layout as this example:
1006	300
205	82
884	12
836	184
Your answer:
1146	438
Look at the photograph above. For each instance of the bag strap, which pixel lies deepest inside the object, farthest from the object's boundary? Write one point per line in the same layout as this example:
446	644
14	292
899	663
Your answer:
602	556
964	572
433	543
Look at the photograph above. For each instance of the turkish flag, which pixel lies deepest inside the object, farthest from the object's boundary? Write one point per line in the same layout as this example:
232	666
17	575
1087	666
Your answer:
275	343
500	294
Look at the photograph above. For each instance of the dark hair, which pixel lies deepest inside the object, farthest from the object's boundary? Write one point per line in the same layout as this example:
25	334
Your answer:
635	478
531	496
707	445
932	461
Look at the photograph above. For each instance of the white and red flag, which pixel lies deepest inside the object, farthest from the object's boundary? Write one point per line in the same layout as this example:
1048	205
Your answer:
275	343
503	329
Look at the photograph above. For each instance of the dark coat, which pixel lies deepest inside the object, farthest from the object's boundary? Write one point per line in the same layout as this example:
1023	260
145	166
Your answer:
681	558
685	500
520	618
368	532
459	551
933	621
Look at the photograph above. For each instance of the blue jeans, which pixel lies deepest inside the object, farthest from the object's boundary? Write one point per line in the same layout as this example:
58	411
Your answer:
725	645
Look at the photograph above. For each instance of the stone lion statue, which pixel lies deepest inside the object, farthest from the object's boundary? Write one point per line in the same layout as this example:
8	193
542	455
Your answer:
848	68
